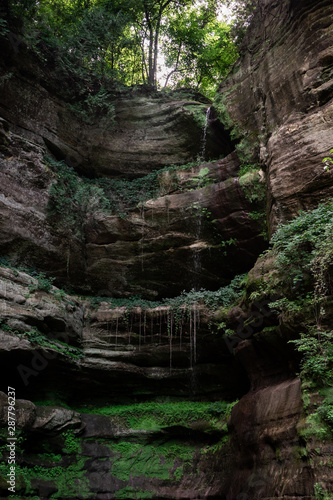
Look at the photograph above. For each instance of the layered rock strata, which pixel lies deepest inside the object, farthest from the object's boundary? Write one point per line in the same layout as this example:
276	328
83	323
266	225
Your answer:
278	99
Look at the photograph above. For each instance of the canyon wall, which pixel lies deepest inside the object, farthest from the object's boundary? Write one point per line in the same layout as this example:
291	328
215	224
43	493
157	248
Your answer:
75	358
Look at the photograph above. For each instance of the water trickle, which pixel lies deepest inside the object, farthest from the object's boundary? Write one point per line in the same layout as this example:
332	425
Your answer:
196	248
144	326
204	138
191	346
167	204
142	235
117	322
152	328
130	328
170	337
194	334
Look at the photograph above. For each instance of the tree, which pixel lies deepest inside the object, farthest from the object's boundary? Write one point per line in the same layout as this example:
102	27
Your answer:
199	50
150	18
92	42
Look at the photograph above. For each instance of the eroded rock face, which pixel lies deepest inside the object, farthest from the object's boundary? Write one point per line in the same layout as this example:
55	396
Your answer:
167	245
282	93
172	461
146	132
279	96
25	305
174	242
265	422
158	350
48	338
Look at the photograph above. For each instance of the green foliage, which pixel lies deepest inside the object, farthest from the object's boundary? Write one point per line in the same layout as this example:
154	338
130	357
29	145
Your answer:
3	27
242	11
254	189
69	480
131	492
155	415
199	51
255	192
72	200
91	45
321	494
326	413
150	461
44	283
328	161
302	277
303	250
247	168
315	427
95	108
317	349
125	195
224	296
36	337
7	328
202	179
71	442
221	106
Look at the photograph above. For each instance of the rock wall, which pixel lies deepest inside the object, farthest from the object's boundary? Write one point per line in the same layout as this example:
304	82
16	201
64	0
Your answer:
159	249
146	131
285	124
278	105
278	99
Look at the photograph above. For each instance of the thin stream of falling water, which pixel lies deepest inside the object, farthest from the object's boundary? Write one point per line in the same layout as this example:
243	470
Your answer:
140	331
167	204
110	333
117	320
171	328
194	334
180	333
144	326
130	327
151	328
191	354
196	256
142	235
204	139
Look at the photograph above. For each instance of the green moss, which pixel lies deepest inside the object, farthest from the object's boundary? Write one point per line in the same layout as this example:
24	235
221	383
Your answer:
130	492
159	460
315	428
155	415
36	337
198	111
69	481
321	494
72	442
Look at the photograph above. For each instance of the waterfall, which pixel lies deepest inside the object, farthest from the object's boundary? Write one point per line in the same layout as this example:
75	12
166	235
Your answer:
142	235
204	138
196	247
117	323
194	333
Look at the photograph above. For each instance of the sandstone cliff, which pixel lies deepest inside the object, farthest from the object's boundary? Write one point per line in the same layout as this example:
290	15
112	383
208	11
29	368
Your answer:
98	380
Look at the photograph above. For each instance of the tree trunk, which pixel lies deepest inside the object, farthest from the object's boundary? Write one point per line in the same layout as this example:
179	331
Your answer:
151	57
157	33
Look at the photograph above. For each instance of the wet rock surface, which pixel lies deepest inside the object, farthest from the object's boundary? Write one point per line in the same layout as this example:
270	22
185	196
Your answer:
58	347
142	253
285	72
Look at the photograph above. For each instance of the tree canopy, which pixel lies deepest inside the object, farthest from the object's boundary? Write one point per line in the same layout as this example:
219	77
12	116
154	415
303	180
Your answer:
161	43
